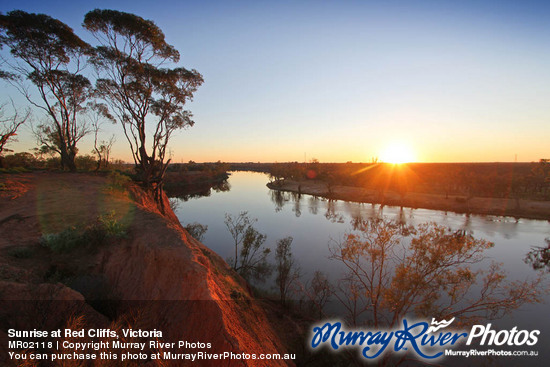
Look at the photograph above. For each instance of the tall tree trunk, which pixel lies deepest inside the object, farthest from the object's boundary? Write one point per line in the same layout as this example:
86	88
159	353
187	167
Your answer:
67	160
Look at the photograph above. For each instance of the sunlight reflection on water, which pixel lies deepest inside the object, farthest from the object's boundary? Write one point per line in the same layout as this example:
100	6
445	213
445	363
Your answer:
314	222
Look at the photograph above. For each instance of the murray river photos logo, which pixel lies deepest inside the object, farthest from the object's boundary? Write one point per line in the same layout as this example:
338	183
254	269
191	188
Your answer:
427	341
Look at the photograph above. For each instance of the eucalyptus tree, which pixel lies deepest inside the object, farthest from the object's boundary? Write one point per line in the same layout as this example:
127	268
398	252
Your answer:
98	114
134	81
8	128
288	272
438	274
48	54
251	260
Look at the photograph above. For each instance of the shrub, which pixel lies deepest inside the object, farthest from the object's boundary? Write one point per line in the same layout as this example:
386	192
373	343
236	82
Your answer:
14	170
118	181
105	228
85	162
111	226
63	241
196	230
251	261
20	252
22	160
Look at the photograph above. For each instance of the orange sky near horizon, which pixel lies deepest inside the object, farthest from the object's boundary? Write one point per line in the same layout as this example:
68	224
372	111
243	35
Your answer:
453	81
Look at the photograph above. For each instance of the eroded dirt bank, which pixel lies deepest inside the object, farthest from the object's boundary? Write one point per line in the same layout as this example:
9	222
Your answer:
154	277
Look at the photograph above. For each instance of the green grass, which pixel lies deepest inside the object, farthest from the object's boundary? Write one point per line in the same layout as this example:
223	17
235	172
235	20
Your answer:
118	181
20	252
105	228
14	170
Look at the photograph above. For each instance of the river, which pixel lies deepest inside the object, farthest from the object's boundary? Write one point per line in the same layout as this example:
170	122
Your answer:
315	222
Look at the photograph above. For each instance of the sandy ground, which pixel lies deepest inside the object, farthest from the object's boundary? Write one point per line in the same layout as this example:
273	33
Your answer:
46	202
478	205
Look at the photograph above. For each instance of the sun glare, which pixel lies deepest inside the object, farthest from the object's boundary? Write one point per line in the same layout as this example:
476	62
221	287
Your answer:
397	153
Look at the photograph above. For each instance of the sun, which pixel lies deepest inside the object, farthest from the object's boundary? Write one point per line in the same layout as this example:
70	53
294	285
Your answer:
398	153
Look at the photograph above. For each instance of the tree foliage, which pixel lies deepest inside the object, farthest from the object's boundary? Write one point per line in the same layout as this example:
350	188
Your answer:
47	53
539	257
8	128
251	260
319	291
130	59
437	275
196	230
98	114
286	268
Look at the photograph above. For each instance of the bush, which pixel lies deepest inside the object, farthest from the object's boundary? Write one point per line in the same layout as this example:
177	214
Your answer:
63	241
196	230
111	226
52	163
14	170
85	162
20	252
24	160
105	228
118	181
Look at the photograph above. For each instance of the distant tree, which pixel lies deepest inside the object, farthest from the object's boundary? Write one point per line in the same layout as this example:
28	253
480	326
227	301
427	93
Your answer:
47	53
400	181
237	226
251	260
140	90
99	113
8	128
22	159
319	291
330	181
85	162
287	271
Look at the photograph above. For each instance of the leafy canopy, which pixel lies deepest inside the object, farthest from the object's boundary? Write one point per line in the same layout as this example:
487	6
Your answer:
131	60
47	53
40	38
144	34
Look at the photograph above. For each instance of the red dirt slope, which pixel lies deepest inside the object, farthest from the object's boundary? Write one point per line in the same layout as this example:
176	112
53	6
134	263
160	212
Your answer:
158	277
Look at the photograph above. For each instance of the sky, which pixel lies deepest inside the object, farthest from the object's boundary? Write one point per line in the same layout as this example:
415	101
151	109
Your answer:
446	81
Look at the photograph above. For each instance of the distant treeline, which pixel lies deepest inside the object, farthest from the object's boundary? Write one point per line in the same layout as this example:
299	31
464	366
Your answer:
215	170
519	180
28	161
185	180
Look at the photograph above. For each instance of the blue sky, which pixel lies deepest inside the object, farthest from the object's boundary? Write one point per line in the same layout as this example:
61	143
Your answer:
342	80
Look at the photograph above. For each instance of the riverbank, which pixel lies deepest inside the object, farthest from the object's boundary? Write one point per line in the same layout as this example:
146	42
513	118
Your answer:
518	208
85	251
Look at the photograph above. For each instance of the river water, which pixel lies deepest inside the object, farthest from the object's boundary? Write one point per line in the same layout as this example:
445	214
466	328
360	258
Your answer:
315	222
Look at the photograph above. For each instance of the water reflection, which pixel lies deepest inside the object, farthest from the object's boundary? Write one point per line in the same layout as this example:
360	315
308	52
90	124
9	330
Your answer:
539	257
197	190
297	199
280	198
331	214
313	204
313	221
336	211
430	274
